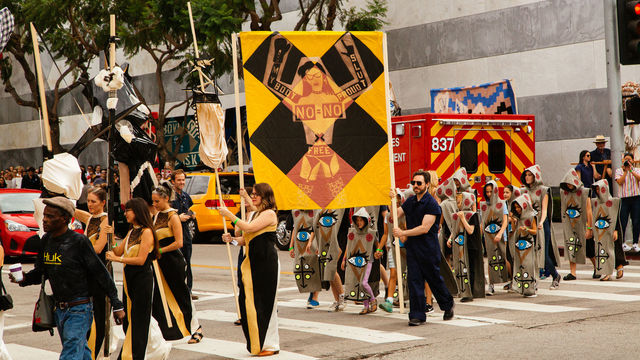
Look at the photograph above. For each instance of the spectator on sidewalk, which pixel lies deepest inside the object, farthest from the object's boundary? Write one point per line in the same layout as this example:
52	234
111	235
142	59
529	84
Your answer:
627	178
182	203
31	180
586	170
602	154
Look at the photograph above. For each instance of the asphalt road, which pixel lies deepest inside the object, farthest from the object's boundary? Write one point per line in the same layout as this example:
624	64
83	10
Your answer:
585	319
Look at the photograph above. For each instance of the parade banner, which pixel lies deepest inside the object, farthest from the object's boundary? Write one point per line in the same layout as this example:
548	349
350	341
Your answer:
491	98
317	117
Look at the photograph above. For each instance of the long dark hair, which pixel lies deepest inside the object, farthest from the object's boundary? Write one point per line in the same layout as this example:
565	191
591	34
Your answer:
582	154
143	218
265	192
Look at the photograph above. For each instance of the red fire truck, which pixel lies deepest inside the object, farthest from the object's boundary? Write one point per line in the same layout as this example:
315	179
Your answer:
490	147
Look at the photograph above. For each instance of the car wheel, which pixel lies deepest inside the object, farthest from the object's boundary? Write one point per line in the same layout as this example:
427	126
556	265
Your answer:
283	235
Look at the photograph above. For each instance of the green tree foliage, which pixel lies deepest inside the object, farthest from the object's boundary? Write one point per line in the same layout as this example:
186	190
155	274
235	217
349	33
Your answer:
371	18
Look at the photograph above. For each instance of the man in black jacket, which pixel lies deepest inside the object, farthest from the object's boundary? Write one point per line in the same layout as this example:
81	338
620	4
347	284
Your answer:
32	180
68	260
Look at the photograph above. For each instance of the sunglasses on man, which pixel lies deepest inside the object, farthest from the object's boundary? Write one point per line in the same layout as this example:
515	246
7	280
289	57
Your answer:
419	183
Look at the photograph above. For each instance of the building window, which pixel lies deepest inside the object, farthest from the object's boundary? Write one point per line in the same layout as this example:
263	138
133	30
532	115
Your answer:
496	156
469	155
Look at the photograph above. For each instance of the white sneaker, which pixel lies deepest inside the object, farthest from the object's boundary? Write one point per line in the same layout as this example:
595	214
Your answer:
341	305
625	247
636	248
490	290
334	307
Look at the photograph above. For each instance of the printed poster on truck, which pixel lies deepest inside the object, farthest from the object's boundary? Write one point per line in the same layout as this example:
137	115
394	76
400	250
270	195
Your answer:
491	98
317	117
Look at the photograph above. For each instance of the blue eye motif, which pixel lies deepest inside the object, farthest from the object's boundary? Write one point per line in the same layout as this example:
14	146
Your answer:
523	244
602	223
327	219
358	260
509	229
492	228
304	234
573	212
459	240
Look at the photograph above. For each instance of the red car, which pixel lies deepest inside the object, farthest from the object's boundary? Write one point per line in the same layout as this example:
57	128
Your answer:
18	228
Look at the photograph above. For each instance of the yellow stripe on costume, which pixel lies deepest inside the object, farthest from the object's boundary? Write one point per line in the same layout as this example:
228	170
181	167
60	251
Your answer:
173	305
92	339
126	347
252	317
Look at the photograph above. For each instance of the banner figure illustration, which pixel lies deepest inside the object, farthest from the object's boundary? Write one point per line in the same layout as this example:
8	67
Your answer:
317	117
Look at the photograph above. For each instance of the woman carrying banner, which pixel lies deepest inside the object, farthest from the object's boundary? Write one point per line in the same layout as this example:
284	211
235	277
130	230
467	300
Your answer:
172	274
137	252
260	272
96	230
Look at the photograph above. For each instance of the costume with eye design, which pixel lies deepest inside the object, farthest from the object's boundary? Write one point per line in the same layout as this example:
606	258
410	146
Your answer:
523	243
492	210
467	250
574	201
359	254
609	254
306	266
325	227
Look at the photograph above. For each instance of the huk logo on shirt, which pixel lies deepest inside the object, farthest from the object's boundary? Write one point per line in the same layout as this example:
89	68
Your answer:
52	259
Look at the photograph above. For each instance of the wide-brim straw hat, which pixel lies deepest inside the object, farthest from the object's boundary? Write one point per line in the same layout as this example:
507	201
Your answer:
600	139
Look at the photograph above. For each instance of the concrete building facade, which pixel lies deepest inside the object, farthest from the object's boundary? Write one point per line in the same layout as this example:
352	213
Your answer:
552	51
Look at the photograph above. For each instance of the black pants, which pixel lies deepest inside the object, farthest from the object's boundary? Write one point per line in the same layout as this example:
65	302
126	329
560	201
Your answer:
186	252
420	270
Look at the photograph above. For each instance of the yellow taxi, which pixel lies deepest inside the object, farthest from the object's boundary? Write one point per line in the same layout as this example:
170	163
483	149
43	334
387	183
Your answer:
201	186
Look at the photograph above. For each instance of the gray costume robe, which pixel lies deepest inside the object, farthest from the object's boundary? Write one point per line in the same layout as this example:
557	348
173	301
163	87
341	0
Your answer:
574	204
467	251
493	217
359	252
524	256
446	192
605	218
536	192
325	226
306	267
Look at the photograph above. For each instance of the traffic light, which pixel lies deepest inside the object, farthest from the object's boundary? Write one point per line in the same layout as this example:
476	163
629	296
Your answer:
629	31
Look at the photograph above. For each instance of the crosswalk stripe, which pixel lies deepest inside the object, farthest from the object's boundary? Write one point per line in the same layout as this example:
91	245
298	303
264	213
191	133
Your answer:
462	321
521	306
612	283
233	350
589	295
590	272
17	326
335	330
22	352
216	296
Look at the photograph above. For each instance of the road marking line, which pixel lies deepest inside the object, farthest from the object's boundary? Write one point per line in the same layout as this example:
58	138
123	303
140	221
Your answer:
219	267
596	282
462	321
589	295
22	352
17	326
216	296
335	330
521	306
233	350
590	272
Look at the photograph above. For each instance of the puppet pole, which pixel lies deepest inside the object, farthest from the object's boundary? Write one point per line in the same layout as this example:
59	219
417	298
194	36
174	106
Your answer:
392	175
224	221
110	177
236	93
43	99
195	46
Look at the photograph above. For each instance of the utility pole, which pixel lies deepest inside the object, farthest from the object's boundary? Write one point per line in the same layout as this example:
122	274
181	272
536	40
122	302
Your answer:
614	90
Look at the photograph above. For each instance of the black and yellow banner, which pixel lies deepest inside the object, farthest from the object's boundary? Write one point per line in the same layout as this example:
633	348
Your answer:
317	117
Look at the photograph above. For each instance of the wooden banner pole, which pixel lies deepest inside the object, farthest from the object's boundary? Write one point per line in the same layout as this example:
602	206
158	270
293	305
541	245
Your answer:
43	99
392	175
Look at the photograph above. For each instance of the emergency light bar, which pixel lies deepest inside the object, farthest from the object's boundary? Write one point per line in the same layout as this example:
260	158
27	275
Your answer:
483	122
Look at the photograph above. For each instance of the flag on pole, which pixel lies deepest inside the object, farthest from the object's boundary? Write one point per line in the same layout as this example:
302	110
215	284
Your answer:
6	27
317	117
213	145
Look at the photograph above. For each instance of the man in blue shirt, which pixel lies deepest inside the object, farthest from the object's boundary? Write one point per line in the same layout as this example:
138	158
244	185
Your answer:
422	214
182	203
